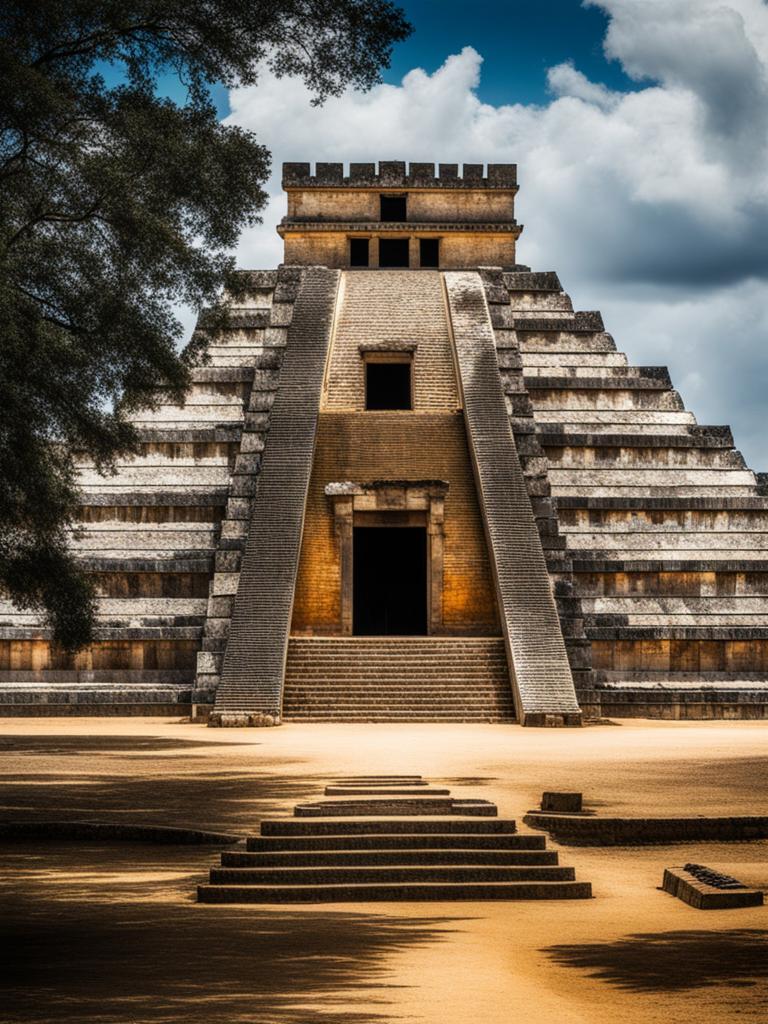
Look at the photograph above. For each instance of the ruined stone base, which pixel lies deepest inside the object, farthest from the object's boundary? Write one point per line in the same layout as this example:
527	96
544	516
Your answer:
548	721
241	720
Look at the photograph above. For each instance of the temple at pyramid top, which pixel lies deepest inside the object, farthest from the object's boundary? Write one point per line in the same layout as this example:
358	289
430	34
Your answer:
400	215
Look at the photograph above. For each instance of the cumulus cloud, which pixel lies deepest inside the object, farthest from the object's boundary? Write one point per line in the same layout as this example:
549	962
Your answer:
652	204
565	80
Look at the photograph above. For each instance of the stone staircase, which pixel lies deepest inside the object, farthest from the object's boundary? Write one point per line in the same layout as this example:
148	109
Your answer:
397	679
390	838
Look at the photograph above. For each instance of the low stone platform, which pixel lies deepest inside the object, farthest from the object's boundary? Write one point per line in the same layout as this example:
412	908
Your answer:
593	830
706	889
406	847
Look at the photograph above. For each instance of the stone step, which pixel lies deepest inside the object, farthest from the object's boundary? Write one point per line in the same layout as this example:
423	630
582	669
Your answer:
610	421
428	718
394	892
381	780
395	805
698	540
381	696
565	382
404	646
397	841
386	826
363	665
388	874
369	858
389	790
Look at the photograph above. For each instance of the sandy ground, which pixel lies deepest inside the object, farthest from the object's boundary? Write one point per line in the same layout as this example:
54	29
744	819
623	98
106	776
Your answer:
111	933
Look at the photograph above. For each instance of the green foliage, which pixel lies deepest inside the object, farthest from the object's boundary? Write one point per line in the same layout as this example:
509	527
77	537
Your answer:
115	205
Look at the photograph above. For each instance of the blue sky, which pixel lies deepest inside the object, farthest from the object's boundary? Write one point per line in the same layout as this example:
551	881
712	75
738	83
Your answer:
518	39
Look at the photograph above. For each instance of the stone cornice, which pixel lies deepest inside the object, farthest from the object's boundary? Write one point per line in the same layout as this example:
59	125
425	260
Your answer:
400	227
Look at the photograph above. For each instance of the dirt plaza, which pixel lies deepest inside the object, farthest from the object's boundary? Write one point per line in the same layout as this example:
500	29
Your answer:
111	932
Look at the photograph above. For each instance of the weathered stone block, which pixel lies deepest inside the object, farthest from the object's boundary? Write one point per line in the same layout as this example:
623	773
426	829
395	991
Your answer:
563	802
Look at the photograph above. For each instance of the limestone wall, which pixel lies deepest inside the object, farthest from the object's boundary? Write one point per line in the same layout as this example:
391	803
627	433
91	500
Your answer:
423	205
397	309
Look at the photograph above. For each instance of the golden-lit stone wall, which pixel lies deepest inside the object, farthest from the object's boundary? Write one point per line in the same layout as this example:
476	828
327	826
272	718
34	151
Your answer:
458	249
367	446
132	655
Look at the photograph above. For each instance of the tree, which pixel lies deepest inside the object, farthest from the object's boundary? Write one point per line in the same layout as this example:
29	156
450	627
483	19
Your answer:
115	204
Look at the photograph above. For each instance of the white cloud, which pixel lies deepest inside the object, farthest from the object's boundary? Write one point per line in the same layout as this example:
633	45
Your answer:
565	80
652	204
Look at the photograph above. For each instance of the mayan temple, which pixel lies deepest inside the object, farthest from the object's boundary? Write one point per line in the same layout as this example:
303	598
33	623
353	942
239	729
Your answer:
413	484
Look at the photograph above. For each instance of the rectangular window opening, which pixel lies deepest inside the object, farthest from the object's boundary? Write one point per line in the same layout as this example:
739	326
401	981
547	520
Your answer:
358	252
429	252
393	208
393	252
388	385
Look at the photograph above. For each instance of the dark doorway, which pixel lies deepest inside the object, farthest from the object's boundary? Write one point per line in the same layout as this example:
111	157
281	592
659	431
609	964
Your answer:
429	252
393	252
393	208
389	581
358	252
388	385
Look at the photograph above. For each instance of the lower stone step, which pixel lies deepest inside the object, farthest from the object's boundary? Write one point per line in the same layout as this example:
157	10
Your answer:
384	842
404	717
366	893
400	857
340	875
385	826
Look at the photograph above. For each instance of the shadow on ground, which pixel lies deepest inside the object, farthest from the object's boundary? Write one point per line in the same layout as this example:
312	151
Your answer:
109	935
132	779
84	745
673	961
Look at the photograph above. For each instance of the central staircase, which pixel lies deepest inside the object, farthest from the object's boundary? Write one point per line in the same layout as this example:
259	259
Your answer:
384	838
397	679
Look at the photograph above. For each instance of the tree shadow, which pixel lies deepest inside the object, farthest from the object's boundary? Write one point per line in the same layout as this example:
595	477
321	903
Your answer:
107	745
673	961
85	946
232	801
148	780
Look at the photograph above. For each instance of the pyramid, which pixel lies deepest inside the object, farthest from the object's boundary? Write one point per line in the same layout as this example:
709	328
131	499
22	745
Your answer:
412	483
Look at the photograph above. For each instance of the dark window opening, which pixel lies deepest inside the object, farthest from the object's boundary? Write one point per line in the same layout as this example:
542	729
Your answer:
393	208
389	581
393	252
429	252
358	252
388	385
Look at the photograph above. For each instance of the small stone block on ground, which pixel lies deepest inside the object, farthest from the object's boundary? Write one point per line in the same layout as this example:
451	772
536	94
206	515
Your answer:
706	889
568	803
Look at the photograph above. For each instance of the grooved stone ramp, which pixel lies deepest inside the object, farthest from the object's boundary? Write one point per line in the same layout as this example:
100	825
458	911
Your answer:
254	661
542	680
388	852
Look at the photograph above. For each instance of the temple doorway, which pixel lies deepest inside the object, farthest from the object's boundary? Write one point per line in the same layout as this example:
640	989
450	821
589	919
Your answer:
390	581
